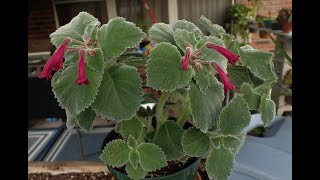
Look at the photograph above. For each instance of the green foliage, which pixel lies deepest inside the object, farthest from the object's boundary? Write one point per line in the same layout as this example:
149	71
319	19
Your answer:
190	96
195	143
168	138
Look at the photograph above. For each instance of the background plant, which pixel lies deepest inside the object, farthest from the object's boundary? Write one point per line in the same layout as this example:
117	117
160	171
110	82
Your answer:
192	72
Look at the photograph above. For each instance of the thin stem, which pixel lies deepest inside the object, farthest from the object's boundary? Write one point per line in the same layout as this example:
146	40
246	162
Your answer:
197	51
79	42
159	110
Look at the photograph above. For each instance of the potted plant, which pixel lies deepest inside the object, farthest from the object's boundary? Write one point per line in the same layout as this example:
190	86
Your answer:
192	71
285	19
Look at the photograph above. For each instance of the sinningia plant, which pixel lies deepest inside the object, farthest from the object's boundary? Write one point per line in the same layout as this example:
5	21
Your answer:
190	69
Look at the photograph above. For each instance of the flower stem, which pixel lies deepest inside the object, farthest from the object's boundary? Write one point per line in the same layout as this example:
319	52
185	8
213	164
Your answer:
78	42
159	110
197	51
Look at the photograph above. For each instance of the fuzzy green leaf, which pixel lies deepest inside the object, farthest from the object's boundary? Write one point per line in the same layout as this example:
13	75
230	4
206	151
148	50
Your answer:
131	127
134	157
219	163
115	153
251	97
213	55
259	62
231	43
195	143
137	173
74	29
120	93
86	118
70	58
96	62
231	142
164	70
213	29
267	110
151	157
72	121
238	75
118	35
203	106
202	80
215	141
234	117
168	138
132	143
161	32
183	37
189	26
71	96
92	30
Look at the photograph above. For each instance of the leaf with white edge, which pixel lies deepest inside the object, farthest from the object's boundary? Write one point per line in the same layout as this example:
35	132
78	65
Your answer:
71	96
117	127
86	118
134	157
74	29
203	106
213	55
235	117
118	35
152	157
242	138
202	80
131	127
161	32
96	62
92	30
259	62
238	75
168	138
251	97
164	70
135	174
120	93
195	143
215	142
116	153
182	37
132	143
231	142
189	26
213	29
267	110
231	43
265	87
219	163
71	121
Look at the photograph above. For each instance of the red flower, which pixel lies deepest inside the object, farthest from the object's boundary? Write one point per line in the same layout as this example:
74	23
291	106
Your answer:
225	80
55	61
232	58
185	62
82	78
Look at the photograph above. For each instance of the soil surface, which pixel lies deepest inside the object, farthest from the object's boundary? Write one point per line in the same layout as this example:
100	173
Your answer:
69	176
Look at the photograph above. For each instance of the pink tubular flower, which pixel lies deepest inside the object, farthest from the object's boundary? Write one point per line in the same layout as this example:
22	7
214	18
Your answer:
82	78
232	58
55	61
225	80
185	62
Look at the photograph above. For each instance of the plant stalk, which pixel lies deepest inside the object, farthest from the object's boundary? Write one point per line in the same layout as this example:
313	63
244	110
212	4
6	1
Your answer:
159	110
